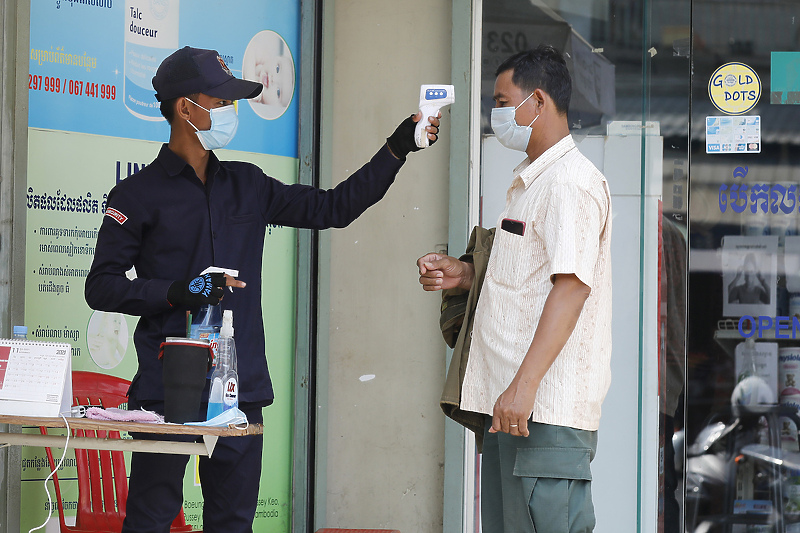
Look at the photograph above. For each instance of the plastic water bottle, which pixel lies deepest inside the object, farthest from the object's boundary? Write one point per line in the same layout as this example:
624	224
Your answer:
206	325
225	377
20	332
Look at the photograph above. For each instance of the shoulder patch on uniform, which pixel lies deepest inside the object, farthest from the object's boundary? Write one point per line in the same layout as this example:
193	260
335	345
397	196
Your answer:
116	215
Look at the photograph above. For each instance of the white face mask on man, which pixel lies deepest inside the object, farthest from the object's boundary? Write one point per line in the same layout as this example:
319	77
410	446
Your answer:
224	123
508	132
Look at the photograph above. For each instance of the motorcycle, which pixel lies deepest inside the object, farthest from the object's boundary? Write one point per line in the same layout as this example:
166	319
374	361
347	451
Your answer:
738	477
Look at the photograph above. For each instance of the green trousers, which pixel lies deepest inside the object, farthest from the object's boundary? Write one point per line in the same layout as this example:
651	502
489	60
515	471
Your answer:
537	484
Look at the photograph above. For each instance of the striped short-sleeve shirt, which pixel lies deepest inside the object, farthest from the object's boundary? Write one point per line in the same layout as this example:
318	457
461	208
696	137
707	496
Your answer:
558	221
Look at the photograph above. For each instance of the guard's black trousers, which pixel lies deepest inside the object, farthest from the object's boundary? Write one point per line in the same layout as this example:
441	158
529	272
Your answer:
229	480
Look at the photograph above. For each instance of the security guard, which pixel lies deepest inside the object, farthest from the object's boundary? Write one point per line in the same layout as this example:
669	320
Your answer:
186	211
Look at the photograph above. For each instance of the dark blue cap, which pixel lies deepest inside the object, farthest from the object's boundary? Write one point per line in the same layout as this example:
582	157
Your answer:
195	70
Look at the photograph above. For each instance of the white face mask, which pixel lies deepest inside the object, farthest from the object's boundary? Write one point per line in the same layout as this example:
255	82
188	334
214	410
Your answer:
509	133
232	416
224	122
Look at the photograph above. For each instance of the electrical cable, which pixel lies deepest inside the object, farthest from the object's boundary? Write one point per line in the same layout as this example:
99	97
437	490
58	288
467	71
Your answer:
60	462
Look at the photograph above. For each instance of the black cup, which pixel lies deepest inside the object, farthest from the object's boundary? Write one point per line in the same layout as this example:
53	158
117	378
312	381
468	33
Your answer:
185	365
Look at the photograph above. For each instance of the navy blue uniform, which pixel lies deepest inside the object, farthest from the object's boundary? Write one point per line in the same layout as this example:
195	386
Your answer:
170	226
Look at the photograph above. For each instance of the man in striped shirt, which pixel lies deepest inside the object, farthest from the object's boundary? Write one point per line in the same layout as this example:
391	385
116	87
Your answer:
539	361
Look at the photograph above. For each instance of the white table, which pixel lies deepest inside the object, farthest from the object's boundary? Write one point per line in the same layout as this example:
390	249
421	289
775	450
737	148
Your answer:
209	434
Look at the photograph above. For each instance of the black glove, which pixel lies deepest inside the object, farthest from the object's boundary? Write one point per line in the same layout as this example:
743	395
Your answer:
401	142
202	290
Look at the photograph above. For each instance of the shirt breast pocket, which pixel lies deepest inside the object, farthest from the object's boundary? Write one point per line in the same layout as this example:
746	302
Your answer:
510	259
241	218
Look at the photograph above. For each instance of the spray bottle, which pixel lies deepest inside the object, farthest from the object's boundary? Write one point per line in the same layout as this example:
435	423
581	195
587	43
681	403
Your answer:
225	378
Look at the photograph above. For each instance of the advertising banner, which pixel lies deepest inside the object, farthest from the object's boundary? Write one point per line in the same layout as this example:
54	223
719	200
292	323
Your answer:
92	61
93	121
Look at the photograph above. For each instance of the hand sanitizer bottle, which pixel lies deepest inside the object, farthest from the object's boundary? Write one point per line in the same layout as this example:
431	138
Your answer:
224	379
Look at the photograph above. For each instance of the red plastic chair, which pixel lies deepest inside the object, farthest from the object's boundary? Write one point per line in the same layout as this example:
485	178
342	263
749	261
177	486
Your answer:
102	476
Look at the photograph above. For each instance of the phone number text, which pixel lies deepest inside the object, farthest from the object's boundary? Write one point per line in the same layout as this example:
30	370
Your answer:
52	84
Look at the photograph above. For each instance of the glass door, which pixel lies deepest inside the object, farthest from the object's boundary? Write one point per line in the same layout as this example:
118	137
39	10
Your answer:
741	393
629	114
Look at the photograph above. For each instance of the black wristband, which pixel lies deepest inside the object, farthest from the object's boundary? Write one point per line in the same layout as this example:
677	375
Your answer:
401	142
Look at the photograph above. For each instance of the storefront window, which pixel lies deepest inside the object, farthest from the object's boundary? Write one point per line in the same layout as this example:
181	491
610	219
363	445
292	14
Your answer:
741	396
629	114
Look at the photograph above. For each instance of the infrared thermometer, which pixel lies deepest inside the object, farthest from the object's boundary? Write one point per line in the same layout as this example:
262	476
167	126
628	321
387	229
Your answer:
431	99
